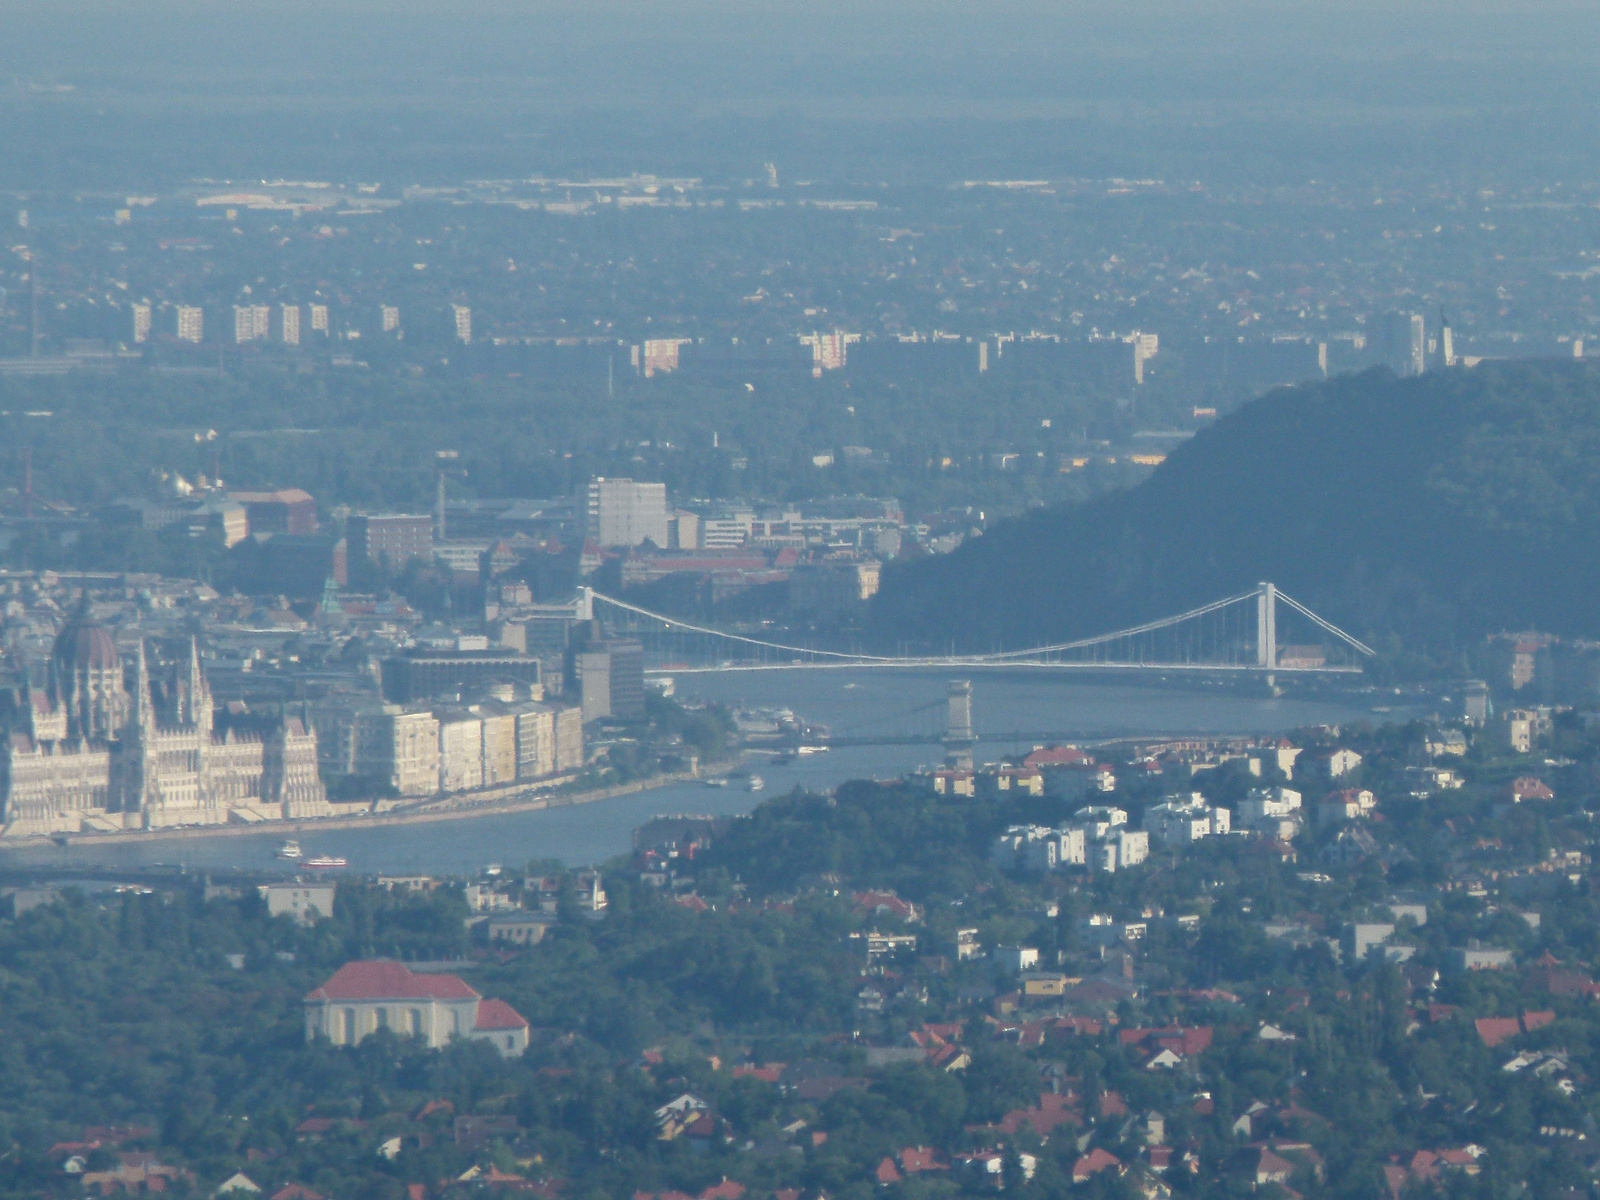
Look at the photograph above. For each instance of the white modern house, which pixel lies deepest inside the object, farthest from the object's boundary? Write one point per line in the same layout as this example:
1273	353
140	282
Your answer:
1179	820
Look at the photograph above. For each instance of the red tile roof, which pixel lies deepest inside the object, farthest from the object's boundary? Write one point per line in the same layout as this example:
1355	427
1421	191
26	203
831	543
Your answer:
1176	1038
497	1014
1272	1168
384	979
1058	756
1093	1163
1494	1030
1528	787
921	1158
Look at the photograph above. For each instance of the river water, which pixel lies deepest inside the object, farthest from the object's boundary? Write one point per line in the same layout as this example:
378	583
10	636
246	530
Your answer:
857	703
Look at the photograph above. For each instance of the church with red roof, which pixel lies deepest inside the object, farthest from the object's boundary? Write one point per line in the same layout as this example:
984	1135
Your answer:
364	997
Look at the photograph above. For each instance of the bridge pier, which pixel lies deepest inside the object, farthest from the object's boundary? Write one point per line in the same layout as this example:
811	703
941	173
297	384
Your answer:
958	737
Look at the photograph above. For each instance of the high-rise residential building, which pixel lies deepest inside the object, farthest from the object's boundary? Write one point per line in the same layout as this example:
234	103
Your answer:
828	350
291	324
391	318
319	318
398	537
620	512
658	355
1418	344
463	324
141	322
251	321
191	323
1402	342
1145	347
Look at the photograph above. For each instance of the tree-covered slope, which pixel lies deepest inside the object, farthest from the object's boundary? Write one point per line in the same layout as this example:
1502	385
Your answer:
1435	509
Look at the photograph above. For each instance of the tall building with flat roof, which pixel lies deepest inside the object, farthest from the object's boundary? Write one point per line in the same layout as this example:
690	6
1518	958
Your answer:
287	510
319	318
621	512
191	323
611	679
250	322
463	323
141	322
428	674
1402	342
391	318
290	324
397	537
399	746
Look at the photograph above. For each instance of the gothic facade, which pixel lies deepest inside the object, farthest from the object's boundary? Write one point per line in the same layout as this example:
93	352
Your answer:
105	747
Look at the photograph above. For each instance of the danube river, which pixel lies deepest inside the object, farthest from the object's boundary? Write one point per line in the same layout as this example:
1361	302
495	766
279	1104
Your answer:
858	703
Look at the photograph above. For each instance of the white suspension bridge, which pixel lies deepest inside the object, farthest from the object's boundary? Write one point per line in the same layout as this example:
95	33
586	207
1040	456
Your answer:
1235	634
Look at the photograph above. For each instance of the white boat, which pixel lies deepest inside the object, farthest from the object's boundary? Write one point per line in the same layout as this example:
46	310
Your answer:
325	862
716	781
290	849
756	783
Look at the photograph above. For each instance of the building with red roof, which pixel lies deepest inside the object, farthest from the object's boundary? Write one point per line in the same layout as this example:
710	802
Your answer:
364	997
916	1159
1093	1163
1527	787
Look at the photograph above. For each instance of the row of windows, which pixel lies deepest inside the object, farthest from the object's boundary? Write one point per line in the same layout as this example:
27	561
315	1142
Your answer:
353	1024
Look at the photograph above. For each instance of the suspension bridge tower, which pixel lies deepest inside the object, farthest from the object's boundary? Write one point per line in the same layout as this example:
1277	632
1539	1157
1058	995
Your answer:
1267	632
1267	626
958	737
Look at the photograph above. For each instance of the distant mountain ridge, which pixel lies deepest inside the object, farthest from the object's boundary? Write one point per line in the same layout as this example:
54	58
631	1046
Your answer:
1421	512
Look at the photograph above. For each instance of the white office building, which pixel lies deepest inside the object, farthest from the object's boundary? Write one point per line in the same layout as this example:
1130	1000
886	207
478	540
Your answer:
621	512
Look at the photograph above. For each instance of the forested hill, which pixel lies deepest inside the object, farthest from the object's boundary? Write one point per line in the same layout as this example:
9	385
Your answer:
1432	509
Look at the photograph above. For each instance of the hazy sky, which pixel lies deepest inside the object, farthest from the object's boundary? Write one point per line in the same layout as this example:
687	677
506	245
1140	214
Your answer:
917	91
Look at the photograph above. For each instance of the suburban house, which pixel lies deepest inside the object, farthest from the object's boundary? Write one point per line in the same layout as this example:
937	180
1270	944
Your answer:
305	902
364	997
518	928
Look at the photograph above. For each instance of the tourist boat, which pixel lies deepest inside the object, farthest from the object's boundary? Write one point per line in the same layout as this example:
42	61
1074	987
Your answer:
756	783
290	849
323	862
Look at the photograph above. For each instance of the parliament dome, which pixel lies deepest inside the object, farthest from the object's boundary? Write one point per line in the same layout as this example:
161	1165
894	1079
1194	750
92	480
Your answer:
82	646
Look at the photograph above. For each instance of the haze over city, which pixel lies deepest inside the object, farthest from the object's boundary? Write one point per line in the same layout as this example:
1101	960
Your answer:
708	601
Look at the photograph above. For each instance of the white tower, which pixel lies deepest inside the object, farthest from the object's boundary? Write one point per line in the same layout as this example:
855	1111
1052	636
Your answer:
1267	626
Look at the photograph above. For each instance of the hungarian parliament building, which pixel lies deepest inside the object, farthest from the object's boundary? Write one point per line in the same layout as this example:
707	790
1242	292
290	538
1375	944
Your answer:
109	745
